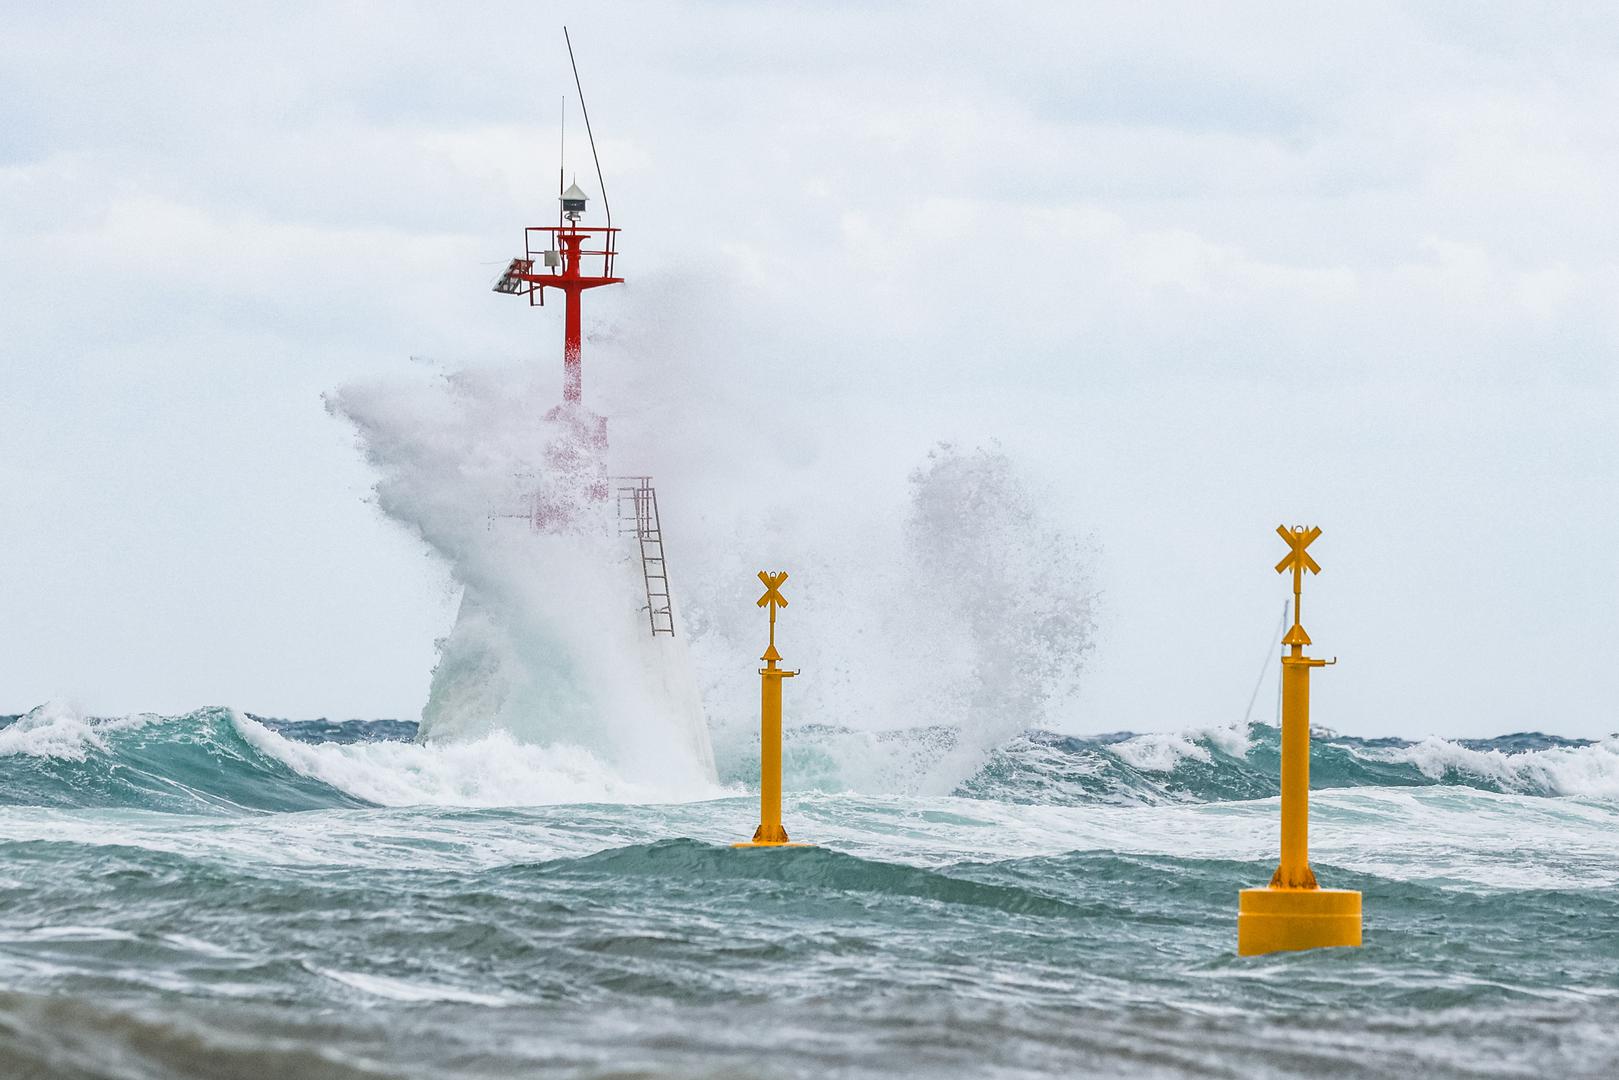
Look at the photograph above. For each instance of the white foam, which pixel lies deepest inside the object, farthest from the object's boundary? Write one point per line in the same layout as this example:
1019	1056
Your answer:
198	945
401	990
54	730
1409	833
1560	770
1160	751
1233	740
79	933
493	770
58	730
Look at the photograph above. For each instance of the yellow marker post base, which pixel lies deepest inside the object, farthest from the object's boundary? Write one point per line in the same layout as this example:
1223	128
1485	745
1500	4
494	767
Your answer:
770	833
765	838
1293	912
1278	920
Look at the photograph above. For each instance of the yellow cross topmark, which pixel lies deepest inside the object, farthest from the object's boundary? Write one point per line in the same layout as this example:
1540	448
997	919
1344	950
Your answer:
772	594
1298	538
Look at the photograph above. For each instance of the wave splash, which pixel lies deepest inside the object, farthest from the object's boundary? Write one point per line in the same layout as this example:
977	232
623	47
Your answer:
220	761
550	645
1206	764
200	763
967	615
1228	763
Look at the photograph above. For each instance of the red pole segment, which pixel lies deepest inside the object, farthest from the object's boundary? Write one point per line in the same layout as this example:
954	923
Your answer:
572	281
572	334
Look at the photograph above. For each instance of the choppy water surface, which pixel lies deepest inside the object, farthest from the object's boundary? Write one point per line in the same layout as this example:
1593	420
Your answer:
215	896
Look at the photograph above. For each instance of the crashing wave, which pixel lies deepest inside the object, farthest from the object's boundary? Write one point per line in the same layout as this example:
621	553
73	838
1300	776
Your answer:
217	760
220	761
1218	764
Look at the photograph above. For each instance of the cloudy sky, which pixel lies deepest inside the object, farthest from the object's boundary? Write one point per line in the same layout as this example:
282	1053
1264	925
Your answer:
1198	273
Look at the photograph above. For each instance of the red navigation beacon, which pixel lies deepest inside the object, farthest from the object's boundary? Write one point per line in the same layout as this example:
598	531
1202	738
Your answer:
564	260
571	258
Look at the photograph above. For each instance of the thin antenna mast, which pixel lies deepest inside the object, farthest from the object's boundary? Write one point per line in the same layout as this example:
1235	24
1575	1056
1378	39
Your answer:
601	183
562	153
1266	666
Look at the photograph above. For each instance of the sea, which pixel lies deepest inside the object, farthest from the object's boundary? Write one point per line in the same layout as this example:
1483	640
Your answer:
226	895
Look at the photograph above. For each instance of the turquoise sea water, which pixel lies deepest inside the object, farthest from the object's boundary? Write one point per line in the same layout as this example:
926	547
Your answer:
212	895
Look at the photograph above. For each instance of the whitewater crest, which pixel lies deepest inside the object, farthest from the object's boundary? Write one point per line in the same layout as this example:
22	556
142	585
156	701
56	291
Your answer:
1560	767
1221	763
493	769
53	730
218	760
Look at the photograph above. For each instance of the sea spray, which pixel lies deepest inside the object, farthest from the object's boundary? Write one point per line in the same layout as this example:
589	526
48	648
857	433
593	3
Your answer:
963	609
961	617
1012	586
551	643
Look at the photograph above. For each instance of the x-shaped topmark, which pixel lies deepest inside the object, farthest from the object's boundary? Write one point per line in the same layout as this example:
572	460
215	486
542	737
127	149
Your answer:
1298	538
772	594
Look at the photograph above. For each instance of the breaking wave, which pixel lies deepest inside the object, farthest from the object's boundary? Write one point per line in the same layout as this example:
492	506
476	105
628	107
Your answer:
217	760
1229	763
550	643
1215	764
220	761
202	762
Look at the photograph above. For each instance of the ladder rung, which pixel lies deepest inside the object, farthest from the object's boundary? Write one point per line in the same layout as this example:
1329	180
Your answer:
638	517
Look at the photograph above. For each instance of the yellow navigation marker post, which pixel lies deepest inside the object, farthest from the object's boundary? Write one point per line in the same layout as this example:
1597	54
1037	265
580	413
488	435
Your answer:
770	832
1293	912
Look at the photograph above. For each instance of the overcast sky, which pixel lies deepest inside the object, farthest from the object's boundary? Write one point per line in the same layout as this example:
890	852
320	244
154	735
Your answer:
1198	273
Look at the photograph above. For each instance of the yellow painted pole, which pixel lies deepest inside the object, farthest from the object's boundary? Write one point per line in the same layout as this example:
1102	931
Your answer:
770	832
1293	912
770	679
1294	869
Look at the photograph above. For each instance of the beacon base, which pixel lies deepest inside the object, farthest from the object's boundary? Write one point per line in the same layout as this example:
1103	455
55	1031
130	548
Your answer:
1279	920
771	843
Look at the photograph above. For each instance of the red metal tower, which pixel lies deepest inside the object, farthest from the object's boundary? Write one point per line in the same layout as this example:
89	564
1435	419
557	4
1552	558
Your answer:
571	258
575	485
577	448
563	256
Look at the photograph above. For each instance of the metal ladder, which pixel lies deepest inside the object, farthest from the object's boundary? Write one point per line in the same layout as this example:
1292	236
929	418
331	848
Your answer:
638	517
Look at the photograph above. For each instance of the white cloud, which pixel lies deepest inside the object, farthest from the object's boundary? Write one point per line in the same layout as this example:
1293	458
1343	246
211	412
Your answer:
1159	248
